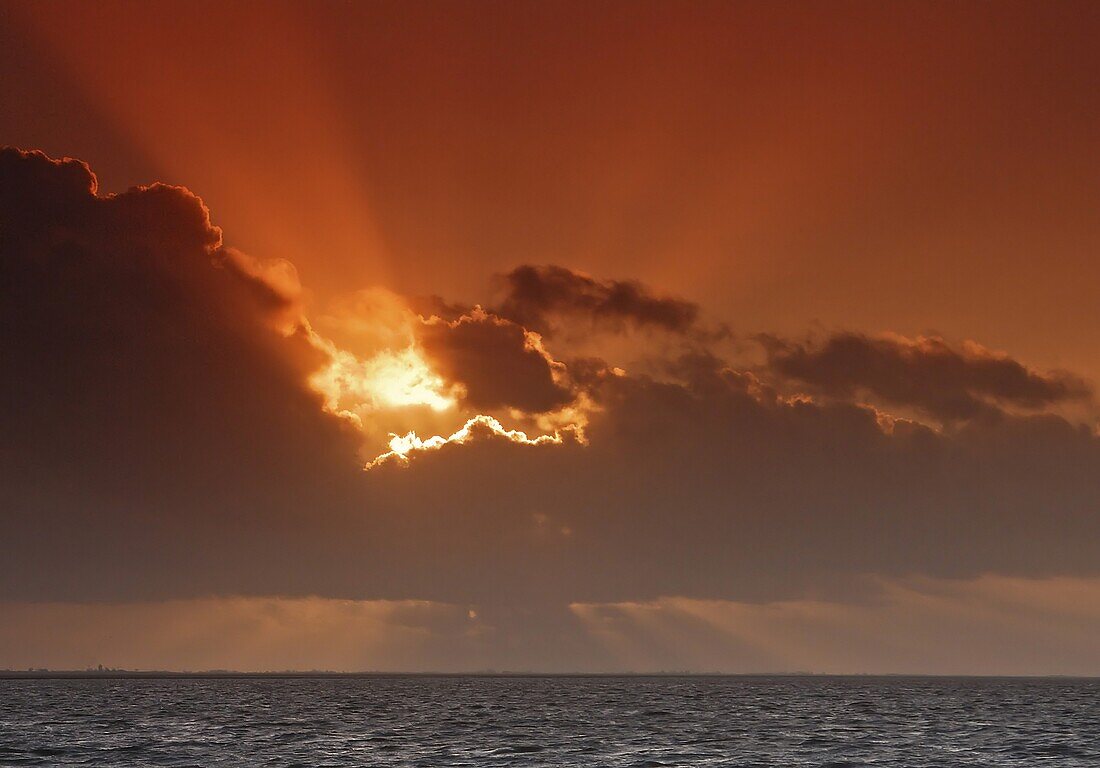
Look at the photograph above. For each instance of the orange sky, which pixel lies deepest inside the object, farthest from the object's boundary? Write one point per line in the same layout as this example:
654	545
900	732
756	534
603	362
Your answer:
929	166
617	335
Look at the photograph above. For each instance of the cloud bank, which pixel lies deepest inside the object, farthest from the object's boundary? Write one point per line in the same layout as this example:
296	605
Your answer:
175	428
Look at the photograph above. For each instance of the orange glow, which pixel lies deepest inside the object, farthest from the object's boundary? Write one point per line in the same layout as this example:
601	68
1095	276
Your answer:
931	623
816	170
354	386
377	366
573	417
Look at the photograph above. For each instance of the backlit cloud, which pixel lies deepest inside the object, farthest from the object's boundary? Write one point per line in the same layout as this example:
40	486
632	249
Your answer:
540	297
497	363
176	428
477	428
927	373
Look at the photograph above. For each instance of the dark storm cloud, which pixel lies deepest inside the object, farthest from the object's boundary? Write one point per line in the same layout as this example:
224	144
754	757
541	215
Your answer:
159	441
720	488
537	295
927	373
150	403
497	363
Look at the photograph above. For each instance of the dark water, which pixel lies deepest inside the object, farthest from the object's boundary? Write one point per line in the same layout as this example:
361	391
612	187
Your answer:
442	721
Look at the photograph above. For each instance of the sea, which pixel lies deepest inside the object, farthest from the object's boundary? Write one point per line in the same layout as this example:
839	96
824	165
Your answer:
494	720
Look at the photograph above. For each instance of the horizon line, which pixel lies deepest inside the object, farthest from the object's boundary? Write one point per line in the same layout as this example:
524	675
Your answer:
122	674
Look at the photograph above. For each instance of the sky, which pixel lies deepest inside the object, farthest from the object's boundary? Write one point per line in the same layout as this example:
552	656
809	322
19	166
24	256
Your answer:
734	337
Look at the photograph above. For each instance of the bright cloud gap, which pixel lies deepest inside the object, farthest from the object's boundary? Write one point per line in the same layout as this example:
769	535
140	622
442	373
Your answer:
353	386
358	388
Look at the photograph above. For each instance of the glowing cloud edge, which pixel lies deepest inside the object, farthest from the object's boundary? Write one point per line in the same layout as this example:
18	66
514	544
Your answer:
403	446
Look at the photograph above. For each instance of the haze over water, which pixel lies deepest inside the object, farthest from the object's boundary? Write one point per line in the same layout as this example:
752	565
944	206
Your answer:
552	721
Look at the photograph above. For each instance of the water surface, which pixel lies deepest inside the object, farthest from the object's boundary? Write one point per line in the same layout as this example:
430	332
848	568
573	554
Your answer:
551	721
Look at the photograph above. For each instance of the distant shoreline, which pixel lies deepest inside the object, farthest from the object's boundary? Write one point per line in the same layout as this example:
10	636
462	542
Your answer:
8	674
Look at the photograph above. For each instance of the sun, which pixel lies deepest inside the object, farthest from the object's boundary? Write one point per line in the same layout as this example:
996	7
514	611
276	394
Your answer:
354	387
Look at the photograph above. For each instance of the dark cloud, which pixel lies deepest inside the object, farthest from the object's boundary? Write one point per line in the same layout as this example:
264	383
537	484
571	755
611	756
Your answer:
926	373
152	405
720	488
537	296
159	441
497	363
